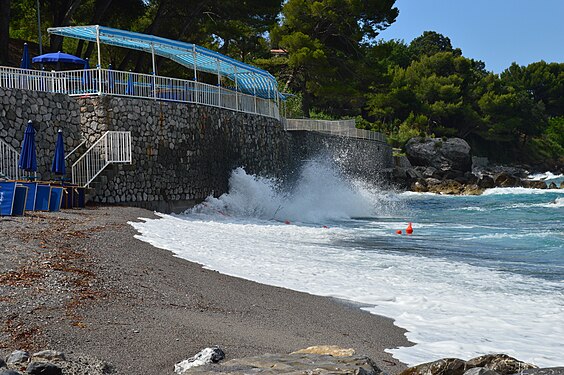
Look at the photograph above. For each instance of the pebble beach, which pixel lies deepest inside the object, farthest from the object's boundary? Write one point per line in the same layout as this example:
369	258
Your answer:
78	281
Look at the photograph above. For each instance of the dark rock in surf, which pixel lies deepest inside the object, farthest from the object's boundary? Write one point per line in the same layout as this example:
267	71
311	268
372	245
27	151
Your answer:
452	154
500	363
543	371
480	371
446	366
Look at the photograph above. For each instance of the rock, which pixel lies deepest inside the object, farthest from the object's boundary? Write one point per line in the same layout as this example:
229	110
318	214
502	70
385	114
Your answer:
562	185
419	186
552	186
208	355
500	363
472	190
47	356
43	368
293	364
486	182
2	363
504	179
9	372
449	187
543	371
444	155
447	366
332	350
18	357
480	371
534	184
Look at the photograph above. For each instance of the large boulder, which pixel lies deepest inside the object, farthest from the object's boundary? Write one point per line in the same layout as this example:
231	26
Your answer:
452	154
500	363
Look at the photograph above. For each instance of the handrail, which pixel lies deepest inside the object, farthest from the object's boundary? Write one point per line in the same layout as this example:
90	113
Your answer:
9	160
76	148
136	85
111	147
343	128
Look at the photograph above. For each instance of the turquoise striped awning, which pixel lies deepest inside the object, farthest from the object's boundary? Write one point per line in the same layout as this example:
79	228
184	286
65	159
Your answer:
250	80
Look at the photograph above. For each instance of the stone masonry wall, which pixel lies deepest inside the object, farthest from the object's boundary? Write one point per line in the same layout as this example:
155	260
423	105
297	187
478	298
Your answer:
49	112
182	152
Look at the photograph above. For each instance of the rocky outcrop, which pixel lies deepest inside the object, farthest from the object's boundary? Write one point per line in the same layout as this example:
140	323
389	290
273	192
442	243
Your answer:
51	362
445	166
450	155
324	359
491	364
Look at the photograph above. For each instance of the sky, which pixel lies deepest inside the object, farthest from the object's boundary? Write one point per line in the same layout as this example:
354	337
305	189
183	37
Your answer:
497	32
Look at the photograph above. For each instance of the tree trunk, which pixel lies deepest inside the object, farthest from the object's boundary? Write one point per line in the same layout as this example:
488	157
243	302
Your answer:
100	9
60	19
4	31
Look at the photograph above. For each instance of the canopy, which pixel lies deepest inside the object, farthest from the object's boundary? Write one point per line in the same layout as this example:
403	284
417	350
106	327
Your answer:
58	57
248	79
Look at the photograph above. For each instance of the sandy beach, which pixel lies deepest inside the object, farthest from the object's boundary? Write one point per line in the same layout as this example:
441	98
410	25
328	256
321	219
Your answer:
79	282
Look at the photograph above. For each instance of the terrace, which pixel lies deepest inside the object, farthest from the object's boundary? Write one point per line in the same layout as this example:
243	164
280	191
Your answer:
240	87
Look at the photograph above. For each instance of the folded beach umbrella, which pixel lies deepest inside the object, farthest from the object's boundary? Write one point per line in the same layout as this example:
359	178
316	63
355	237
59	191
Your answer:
111	78
130	89
86	76
58	165
28	157
26	62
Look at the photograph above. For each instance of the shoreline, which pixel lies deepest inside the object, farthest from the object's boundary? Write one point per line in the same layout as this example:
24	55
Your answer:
79	282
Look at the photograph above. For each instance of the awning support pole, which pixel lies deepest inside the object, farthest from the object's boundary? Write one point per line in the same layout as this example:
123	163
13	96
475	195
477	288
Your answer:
153	58
99	60
236	90
218	83
194	54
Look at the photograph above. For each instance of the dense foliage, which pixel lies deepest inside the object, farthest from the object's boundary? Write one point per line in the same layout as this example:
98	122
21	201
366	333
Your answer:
330	58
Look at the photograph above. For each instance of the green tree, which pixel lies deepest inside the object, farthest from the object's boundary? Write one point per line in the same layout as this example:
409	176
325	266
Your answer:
430	43
324	41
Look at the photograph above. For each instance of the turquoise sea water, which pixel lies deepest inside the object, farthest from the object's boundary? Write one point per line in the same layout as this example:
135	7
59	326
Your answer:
480	274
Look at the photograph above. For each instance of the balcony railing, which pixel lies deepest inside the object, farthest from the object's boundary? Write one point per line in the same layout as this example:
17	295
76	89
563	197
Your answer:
343	128
112	82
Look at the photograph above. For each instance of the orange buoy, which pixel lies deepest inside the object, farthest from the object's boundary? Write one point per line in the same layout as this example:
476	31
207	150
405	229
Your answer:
286	221
398	231
326	227
409	229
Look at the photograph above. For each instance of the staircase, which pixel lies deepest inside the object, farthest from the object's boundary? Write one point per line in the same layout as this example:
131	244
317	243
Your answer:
112	147
8	161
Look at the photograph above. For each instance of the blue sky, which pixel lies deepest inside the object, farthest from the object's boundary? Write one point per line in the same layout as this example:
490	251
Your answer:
497	32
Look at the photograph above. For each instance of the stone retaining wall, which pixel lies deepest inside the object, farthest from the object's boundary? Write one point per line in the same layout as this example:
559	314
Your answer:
49	112
182	152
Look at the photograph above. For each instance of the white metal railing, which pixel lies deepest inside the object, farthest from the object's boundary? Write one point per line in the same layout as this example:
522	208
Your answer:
9	161
112	82
344	128
112	147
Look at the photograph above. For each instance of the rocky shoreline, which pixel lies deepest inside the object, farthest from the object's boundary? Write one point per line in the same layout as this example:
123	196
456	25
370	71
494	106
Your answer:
446	166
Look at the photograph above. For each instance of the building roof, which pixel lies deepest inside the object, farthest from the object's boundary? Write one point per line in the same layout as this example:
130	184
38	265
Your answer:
250	79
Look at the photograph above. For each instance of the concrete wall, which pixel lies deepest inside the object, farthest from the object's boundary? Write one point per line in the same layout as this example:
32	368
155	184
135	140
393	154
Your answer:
181	152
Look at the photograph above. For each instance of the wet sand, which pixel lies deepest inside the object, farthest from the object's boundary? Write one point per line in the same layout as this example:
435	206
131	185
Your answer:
79	282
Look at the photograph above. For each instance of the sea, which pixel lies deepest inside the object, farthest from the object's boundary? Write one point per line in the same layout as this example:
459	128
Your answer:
478	275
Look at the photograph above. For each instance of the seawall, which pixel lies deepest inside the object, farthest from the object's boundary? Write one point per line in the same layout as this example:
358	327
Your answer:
181	153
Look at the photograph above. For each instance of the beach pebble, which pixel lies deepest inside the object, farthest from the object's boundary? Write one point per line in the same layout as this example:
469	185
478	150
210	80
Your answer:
18	356
2	363
43	368
208	355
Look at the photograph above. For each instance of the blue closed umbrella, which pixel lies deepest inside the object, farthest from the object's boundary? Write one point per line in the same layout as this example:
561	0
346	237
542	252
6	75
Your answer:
130	89
111	78
58	165
86	77
28	157
25	63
